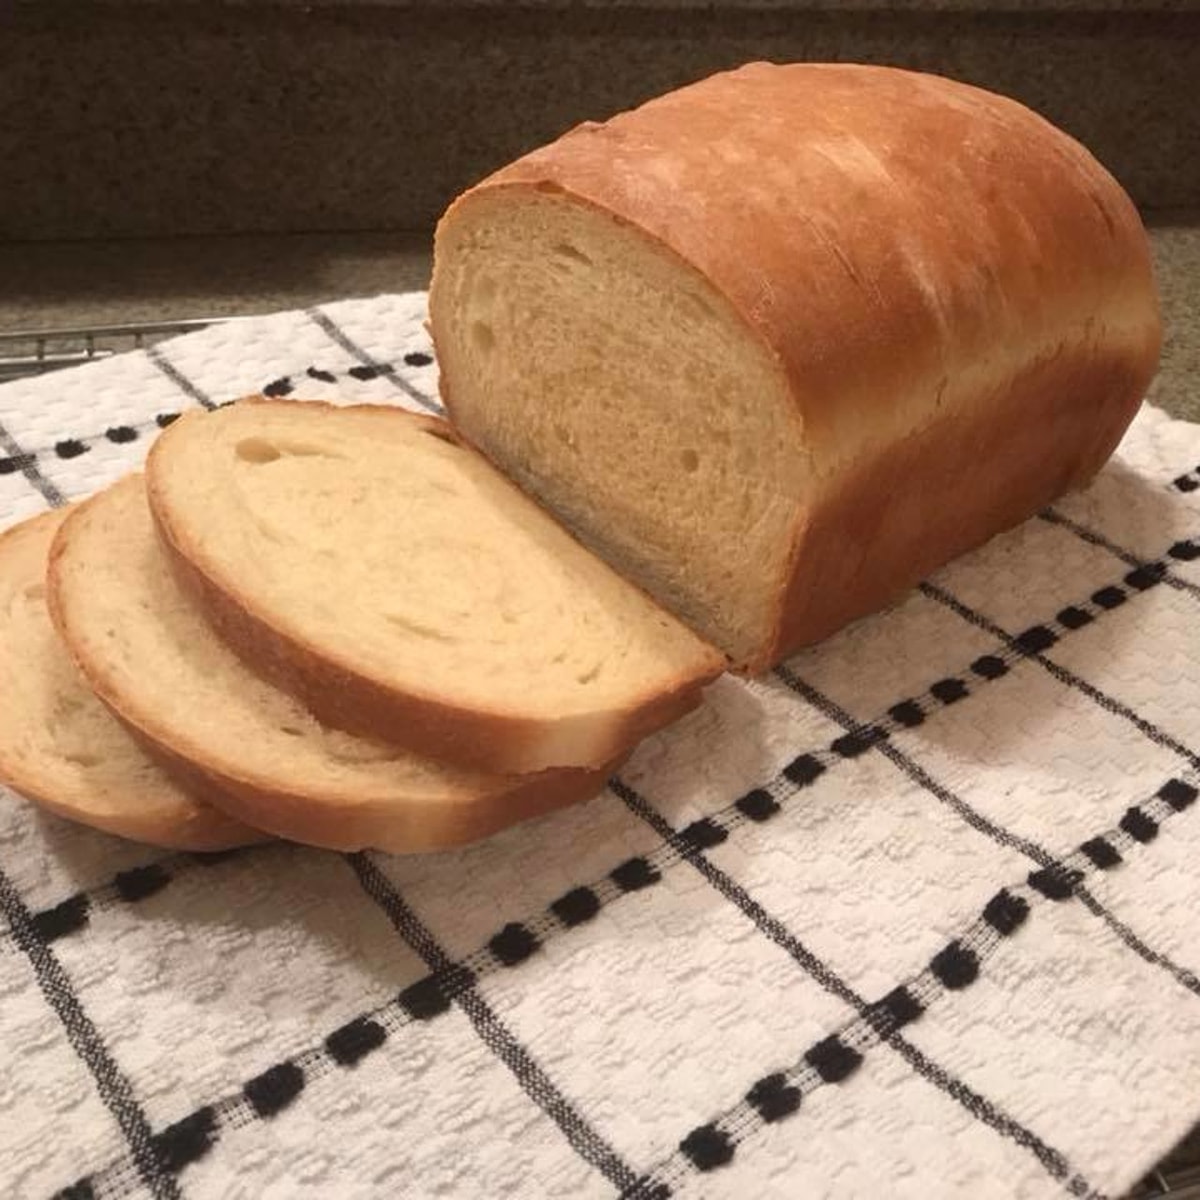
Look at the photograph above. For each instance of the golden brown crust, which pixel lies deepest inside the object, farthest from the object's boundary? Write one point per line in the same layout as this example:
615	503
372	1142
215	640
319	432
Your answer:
925	262
869	552
344	699
383	822
201	830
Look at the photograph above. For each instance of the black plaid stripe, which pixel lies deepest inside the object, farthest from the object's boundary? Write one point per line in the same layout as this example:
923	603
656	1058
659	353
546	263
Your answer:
1036	651
19	460
370	364
129	886
955	967
76	445
835	1058
1183	551
1159	569
1188	481
285	385
114	1088
1032	850
448	983
495	1034
158	356
1141	578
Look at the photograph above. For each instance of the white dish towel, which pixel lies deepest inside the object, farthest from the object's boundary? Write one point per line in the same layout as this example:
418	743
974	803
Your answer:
916	916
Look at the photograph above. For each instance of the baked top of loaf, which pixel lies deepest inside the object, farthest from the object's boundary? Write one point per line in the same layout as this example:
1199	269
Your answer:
151	656
60	746
875	227
373	564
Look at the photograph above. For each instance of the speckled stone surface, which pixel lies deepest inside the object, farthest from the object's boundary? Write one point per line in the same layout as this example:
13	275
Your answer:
162	119
1177	262
45	285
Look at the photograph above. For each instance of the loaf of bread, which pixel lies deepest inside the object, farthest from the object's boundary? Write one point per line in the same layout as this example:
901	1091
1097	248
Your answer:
772	347
780	343
370	564
60	747
151	657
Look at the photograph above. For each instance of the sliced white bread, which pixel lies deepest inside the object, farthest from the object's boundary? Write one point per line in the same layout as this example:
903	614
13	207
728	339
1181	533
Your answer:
59	746
781	342
389	576
148	652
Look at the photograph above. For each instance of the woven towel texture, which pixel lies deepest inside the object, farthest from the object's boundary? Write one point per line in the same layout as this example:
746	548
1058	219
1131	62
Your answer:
918	915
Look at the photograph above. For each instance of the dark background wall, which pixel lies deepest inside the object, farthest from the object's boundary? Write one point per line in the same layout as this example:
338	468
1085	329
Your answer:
141	119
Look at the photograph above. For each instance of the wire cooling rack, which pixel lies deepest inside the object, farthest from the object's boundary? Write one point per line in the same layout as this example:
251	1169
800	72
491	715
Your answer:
34	352
1179	1183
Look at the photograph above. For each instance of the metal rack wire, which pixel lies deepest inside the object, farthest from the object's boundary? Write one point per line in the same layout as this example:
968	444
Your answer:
35	352
1179	1183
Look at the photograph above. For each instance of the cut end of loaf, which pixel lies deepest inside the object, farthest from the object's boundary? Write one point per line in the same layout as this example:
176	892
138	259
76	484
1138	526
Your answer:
613	383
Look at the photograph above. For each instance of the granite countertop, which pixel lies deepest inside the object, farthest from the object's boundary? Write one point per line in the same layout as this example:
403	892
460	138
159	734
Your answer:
46	285
1176	241
60	284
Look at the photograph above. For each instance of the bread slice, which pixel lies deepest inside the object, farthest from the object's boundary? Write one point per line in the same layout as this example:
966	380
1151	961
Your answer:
781	342
374	566
59	746
155	662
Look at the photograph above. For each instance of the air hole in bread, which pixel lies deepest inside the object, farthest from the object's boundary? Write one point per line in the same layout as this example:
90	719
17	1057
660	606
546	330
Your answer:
257	450
483	336
35	591
291	730
564	250
81	759
264	450
689	460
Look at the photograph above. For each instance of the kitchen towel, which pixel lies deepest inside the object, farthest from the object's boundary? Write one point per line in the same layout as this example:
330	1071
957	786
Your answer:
917	915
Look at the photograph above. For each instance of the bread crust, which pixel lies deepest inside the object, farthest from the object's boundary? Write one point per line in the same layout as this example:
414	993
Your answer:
201	829
198	825
333	820
384	822
870	553
345	699
924	262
